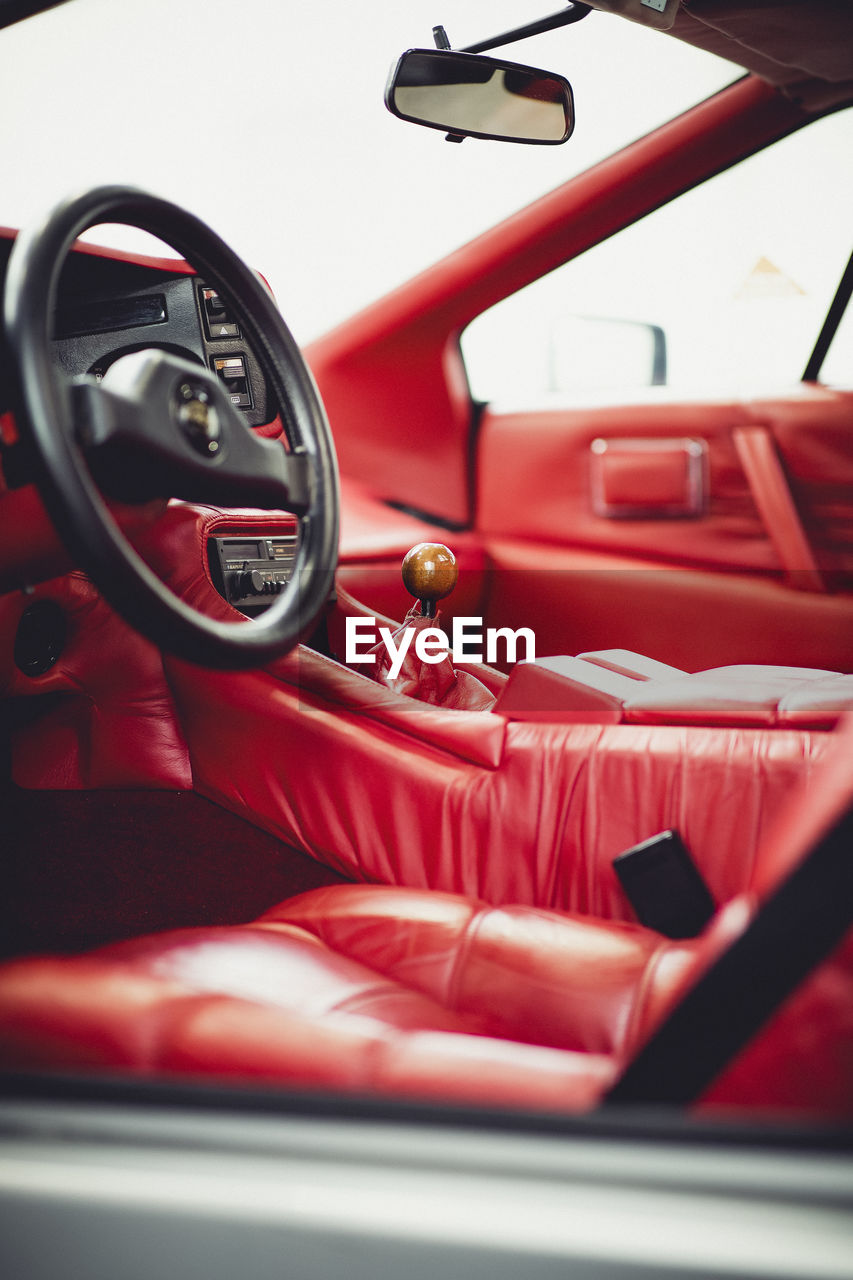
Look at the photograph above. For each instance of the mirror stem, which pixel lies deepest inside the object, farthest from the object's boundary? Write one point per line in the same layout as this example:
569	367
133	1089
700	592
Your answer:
564	18
439	35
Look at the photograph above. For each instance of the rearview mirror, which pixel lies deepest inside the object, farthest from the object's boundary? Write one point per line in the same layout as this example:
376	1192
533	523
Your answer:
471	96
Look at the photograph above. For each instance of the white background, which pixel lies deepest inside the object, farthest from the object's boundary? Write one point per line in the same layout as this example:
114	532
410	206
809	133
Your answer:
266	118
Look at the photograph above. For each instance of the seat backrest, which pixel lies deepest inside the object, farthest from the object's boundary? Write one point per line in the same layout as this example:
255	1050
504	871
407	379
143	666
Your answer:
764	1016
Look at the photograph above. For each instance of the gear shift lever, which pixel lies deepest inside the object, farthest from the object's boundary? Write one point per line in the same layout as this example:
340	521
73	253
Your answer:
429	574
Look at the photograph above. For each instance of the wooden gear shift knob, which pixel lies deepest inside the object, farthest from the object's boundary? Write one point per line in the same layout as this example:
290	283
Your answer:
429	574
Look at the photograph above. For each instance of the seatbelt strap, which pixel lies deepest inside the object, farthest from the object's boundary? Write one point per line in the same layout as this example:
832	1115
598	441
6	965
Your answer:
793	931
772	495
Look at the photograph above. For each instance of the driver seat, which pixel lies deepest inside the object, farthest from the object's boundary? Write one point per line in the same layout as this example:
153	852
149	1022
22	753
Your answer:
438	996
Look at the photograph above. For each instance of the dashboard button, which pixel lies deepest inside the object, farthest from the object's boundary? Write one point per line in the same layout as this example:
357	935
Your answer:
218	321
232	370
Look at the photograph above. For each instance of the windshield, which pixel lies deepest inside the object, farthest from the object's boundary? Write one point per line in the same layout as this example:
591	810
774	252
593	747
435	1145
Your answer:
267	120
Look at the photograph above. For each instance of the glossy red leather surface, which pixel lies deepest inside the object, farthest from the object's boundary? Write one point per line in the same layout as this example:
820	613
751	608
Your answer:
388	790
458	801
535	481
429	995
103	715
625	662
577	599
516	973
420	994
694	592
802	1060
775	504
565	690
635	690
745	694
176	548
30	550
272	1001
106	716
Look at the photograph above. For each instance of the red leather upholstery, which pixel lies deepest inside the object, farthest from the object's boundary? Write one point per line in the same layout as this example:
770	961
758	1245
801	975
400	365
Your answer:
784	696
392	791
431	995
581	599
463	801
452	800
522	454
365	989
614	685
803	1058
108	719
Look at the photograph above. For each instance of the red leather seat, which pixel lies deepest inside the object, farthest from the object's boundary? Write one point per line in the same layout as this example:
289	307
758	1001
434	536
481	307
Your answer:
434	995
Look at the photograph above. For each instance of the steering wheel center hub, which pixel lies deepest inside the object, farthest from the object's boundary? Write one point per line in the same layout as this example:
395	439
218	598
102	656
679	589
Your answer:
198	419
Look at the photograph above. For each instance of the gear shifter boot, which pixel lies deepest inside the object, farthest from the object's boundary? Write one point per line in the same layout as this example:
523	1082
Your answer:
429	574
436	682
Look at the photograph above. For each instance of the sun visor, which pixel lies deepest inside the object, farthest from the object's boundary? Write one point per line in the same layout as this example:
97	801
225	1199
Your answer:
652	13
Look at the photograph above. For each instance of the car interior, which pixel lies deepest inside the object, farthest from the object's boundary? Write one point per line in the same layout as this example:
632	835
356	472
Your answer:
617	873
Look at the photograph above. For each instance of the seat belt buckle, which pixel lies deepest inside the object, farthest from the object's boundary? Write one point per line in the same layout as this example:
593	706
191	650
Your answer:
664	886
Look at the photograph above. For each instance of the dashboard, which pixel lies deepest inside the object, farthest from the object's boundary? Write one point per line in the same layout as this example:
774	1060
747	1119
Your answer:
108	307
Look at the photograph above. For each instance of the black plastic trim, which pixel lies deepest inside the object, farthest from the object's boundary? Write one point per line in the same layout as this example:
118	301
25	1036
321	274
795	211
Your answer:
637	1123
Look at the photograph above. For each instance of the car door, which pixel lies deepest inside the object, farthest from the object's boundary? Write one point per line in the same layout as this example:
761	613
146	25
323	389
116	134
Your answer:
652	471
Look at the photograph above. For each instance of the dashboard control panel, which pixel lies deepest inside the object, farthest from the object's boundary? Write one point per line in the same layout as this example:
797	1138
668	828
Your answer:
108	307
231	357
248	571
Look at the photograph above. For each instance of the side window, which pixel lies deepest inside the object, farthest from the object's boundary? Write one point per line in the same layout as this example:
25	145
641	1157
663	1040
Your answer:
721	292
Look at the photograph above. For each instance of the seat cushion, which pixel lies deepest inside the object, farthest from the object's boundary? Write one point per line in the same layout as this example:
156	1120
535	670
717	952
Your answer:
359	988
520	973
379	990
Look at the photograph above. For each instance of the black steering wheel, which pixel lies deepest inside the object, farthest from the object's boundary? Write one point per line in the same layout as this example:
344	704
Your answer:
163	426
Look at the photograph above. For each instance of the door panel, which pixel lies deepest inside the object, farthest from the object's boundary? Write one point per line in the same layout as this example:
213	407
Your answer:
698	590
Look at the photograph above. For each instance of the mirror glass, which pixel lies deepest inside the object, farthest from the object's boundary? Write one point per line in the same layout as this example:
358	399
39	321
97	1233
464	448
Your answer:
475	96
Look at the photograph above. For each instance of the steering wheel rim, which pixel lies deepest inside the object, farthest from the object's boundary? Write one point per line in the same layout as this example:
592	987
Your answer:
46	418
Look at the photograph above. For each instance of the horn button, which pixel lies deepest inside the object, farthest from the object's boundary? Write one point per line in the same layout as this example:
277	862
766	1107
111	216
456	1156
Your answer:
198	418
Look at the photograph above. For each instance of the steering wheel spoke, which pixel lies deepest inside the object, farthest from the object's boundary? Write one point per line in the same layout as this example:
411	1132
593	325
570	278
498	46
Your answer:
160	426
